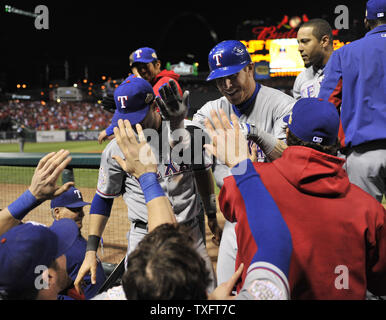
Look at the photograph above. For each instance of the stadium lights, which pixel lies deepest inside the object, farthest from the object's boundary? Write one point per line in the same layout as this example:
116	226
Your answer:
10	9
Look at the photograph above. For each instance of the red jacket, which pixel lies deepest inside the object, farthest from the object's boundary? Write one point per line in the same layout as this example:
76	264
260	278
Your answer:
338	230
163	77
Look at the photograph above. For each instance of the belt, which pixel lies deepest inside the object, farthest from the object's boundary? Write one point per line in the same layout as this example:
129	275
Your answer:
143	225
140	224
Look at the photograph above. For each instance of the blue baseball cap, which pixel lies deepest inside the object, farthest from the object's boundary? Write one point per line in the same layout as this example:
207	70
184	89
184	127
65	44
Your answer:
143	55
72	198
29	245
227	58
132	99
375	9
314	120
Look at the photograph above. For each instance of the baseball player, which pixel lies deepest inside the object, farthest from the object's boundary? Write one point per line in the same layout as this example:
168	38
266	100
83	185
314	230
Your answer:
355	82
315	46
265	280
338	230
259	108
70	205
144	63
135	100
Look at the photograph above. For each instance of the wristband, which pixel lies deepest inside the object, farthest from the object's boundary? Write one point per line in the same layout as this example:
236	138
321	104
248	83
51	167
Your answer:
22	205
92	243
150	186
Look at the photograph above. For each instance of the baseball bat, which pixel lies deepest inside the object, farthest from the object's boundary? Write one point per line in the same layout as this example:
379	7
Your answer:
114	276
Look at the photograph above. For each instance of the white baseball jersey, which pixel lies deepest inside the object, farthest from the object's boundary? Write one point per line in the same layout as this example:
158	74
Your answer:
270	107
177	180
264	281
307	83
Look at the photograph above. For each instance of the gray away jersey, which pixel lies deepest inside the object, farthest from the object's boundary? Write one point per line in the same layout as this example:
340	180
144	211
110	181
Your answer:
307	83
177	180
271	106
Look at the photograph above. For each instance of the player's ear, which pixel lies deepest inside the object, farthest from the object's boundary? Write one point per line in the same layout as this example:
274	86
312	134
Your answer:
325	41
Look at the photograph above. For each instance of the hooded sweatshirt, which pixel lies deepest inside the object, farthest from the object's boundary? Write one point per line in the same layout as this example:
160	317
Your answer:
337	229
163	77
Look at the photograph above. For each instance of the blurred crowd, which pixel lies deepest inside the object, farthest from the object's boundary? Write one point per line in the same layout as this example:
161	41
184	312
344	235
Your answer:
66	115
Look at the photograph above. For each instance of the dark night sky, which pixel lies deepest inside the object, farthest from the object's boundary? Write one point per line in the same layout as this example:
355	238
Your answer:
102	34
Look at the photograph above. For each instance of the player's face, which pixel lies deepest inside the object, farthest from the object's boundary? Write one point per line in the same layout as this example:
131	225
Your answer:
238	87
309	47
152	119
148	71
76	214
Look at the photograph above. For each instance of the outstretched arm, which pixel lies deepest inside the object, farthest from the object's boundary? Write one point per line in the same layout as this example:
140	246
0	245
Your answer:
43	187
141	163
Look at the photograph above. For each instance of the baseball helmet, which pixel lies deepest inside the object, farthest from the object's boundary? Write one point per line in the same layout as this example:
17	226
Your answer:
227	58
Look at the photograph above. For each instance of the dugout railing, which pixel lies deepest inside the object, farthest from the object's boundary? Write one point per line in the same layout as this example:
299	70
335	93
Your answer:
16	171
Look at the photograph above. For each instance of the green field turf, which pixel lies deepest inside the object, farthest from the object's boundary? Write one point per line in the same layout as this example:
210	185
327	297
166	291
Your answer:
83	177
72	146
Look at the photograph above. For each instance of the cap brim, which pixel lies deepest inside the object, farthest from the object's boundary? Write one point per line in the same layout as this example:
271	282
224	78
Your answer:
66	231
78	204
226	71
133	117
286	118
142	61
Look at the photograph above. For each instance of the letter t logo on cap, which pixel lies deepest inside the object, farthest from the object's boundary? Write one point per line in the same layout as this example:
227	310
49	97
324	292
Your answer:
122	100
217	56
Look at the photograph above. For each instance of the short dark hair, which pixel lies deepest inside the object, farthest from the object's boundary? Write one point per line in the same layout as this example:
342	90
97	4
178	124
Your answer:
320	28
293	140
164	266
376	22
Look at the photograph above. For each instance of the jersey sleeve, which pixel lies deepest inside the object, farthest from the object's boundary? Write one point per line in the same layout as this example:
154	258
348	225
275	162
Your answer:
296	88
264	281
331	86
111	176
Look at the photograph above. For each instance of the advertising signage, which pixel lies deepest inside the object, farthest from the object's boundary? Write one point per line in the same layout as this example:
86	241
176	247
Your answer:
274	49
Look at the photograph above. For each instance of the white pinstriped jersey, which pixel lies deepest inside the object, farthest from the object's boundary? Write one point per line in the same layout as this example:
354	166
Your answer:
271	106
177	180
307	83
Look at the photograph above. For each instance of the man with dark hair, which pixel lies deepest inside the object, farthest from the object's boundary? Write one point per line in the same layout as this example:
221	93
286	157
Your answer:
355	83
164	266
315	46
146	62
338	230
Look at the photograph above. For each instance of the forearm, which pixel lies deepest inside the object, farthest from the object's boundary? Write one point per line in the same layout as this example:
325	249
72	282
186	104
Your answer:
271	146
158	205
97	224
159	212
7	221
17	210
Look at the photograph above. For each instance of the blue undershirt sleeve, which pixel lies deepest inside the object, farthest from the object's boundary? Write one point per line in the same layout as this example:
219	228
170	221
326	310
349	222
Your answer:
267	226
101	205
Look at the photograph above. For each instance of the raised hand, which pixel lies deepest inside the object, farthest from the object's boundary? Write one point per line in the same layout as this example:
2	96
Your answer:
228	143
139	158
172	106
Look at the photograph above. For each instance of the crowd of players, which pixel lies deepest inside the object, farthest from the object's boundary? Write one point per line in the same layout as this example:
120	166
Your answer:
304	218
